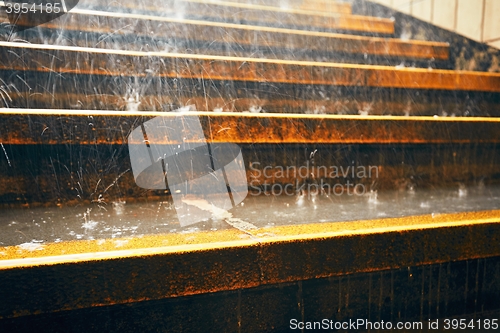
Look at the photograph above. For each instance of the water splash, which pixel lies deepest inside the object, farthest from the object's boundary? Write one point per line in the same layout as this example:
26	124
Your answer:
255	109
372	197
462	190
411	188
132	101
317	110
89	225
401	65
34	245
366	109
119	207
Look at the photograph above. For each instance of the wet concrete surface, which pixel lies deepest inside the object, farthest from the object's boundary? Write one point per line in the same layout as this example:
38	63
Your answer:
30	228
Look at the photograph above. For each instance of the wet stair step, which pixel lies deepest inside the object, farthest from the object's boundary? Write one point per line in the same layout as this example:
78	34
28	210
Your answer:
75	74
58	141
137	32
251	14
70	127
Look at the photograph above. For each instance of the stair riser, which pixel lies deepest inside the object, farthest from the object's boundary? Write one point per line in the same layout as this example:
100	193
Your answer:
70	155
44	181
97	92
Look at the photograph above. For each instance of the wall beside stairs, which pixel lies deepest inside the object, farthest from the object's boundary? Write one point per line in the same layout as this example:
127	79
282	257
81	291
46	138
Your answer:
470	26
471	18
